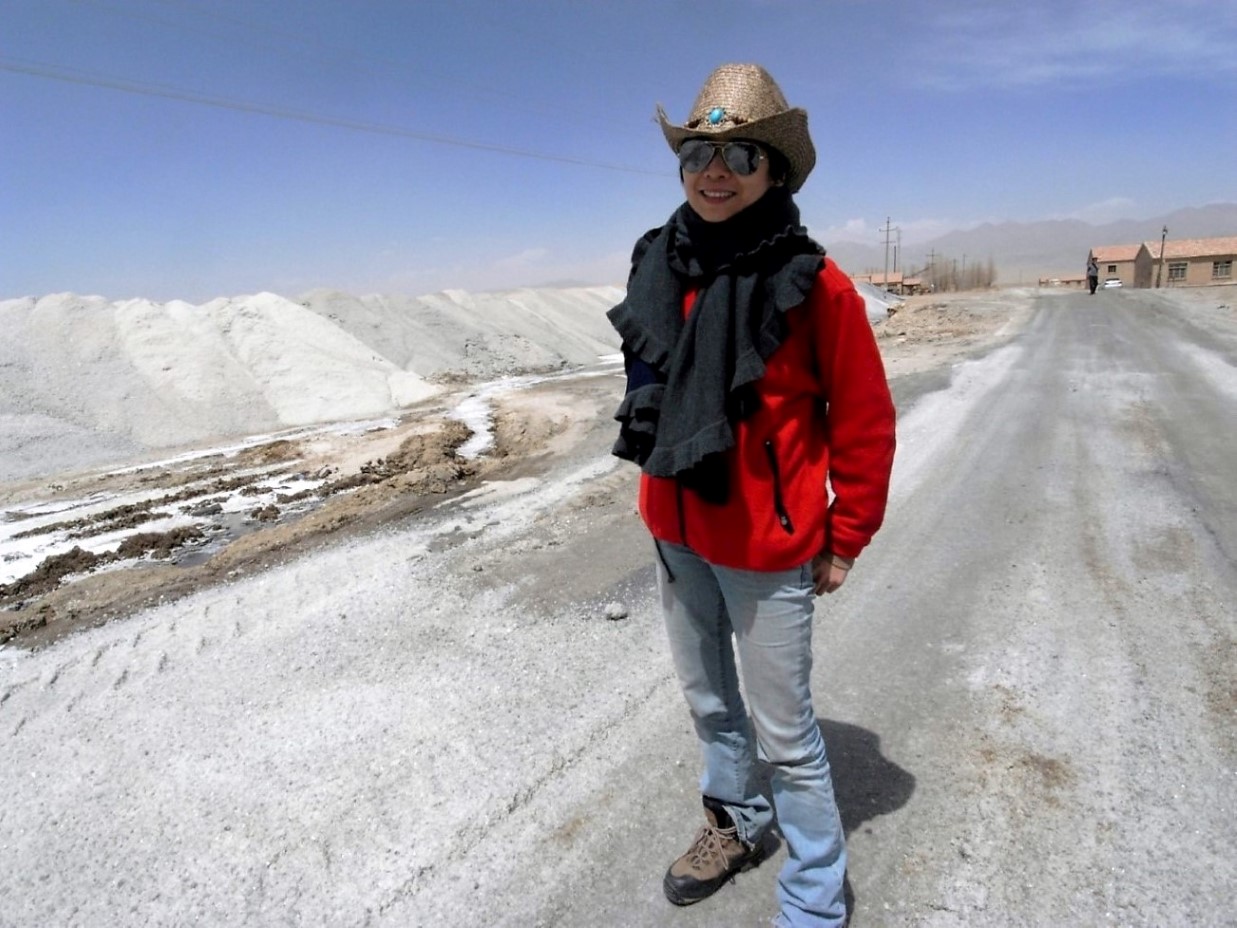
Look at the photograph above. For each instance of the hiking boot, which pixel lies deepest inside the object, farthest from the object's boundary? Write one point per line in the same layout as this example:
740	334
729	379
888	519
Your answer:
715	856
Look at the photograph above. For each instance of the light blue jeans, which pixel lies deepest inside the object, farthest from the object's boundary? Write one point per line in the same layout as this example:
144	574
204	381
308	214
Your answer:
770	616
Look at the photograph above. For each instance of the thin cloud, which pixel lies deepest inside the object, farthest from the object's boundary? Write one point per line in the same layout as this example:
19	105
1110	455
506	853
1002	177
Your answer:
1105	211
912	231
526	258
1070	43
535	267
853	230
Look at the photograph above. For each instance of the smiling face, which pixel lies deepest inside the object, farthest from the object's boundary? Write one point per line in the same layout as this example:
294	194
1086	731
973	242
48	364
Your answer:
716	193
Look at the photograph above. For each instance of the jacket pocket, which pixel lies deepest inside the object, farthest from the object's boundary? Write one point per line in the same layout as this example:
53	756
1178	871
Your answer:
779	502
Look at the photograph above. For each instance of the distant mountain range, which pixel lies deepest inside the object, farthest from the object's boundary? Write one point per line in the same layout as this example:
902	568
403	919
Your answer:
1025	251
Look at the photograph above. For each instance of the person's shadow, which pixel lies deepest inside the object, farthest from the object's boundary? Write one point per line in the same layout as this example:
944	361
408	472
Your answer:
865	782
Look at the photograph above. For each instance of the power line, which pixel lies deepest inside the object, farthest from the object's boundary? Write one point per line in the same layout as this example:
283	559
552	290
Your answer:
74	76
246	31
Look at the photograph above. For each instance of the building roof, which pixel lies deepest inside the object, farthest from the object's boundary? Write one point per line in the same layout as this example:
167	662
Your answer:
1194	247
895	277
1115	252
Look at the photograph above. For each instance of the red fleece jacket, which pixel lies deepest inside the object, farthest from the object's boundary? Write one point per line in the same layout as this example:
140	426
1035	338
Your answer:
826	420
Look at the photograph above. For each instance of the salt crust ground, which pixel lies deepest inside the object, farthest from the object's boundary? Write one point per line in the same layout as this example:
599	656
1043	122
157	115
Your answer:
554	428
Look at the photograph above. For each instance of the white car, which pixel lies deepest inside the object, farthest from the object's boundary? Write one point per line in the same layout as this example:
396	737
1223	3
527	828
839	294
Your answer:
1112	282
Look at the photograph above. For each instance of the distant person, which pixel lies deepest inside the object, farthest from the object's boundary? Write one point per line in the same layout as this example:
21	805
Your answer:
753	383
1093	273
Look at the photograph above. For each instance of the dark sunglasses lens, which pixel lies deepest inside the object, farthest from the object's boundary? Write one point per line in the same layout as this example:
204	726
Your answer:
695	155
741	157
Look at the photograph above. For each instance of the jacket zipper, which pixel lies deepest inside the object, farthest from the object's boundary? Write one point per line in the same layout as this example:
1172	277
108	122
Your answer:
678	498
779	505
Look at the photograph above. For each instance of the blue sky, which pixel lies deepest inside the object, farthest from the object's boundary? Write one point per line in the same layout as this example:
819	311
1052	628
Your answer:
186	149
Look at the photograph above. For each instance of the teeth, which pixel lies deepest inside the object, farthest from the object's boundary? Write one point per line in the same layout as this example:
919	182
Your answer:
717	194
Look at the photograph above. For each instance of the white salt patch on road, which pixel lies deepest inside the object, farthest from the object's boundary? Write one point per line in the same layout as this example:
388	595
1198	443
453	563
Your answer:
495	490
934	422
1221	374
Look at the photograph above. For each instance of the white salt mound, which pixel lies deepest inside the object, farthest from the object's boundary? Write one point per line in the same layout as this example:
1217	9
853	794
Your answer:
87	382
877	300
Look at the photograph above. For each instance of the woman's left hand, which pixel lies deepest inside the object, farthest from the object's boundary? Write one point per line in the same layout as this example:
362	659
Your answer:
827	574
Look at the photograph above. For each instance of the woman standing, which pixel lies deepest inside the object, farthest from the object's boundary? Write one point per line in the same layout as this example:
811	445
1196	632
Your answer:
755	388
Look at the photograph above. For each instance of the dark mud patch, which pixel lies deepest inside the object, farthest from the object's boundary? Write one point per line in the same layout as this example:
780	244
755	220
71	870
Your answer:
73	590
53	571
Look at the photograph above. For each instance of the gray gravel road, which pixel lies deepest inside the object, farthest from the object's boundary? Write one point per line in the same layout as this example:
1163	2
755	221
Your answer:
1027	687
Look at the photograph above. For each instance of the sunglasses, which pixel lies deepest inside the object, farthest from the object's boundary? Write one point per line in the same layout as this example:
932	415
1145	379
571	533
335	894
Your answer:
741	157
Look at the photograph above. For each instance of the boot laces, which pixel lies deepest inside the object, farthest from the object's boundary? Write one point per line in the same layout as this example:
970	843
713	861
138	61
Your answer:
710	845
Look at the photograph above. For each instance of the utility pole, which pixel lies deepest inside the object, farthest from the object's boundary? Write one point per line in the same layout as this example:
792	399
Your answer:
885	282
1159	270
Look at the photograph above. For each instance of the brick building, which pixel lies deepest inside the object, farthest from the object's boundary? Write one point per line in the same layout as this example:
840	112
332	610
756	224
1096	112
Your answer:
895	282
1191	262
1116	261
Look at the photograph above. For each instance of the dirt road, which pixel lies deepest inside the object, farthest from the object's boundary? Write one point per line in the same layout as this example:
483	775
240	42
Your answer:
1027	686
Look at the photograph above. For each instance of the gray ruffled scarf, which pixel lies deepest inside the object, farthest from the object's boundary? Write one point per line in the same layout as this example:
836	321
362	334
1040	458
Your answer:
690	380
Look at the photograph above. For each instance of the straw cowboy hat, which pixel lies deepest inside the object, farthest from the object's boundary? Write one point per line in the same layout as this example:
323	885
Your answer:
743	101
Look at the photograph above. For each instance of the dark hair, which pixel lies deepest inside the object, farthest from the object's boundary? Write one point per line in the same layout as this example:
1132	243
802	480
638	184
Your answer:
779	165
